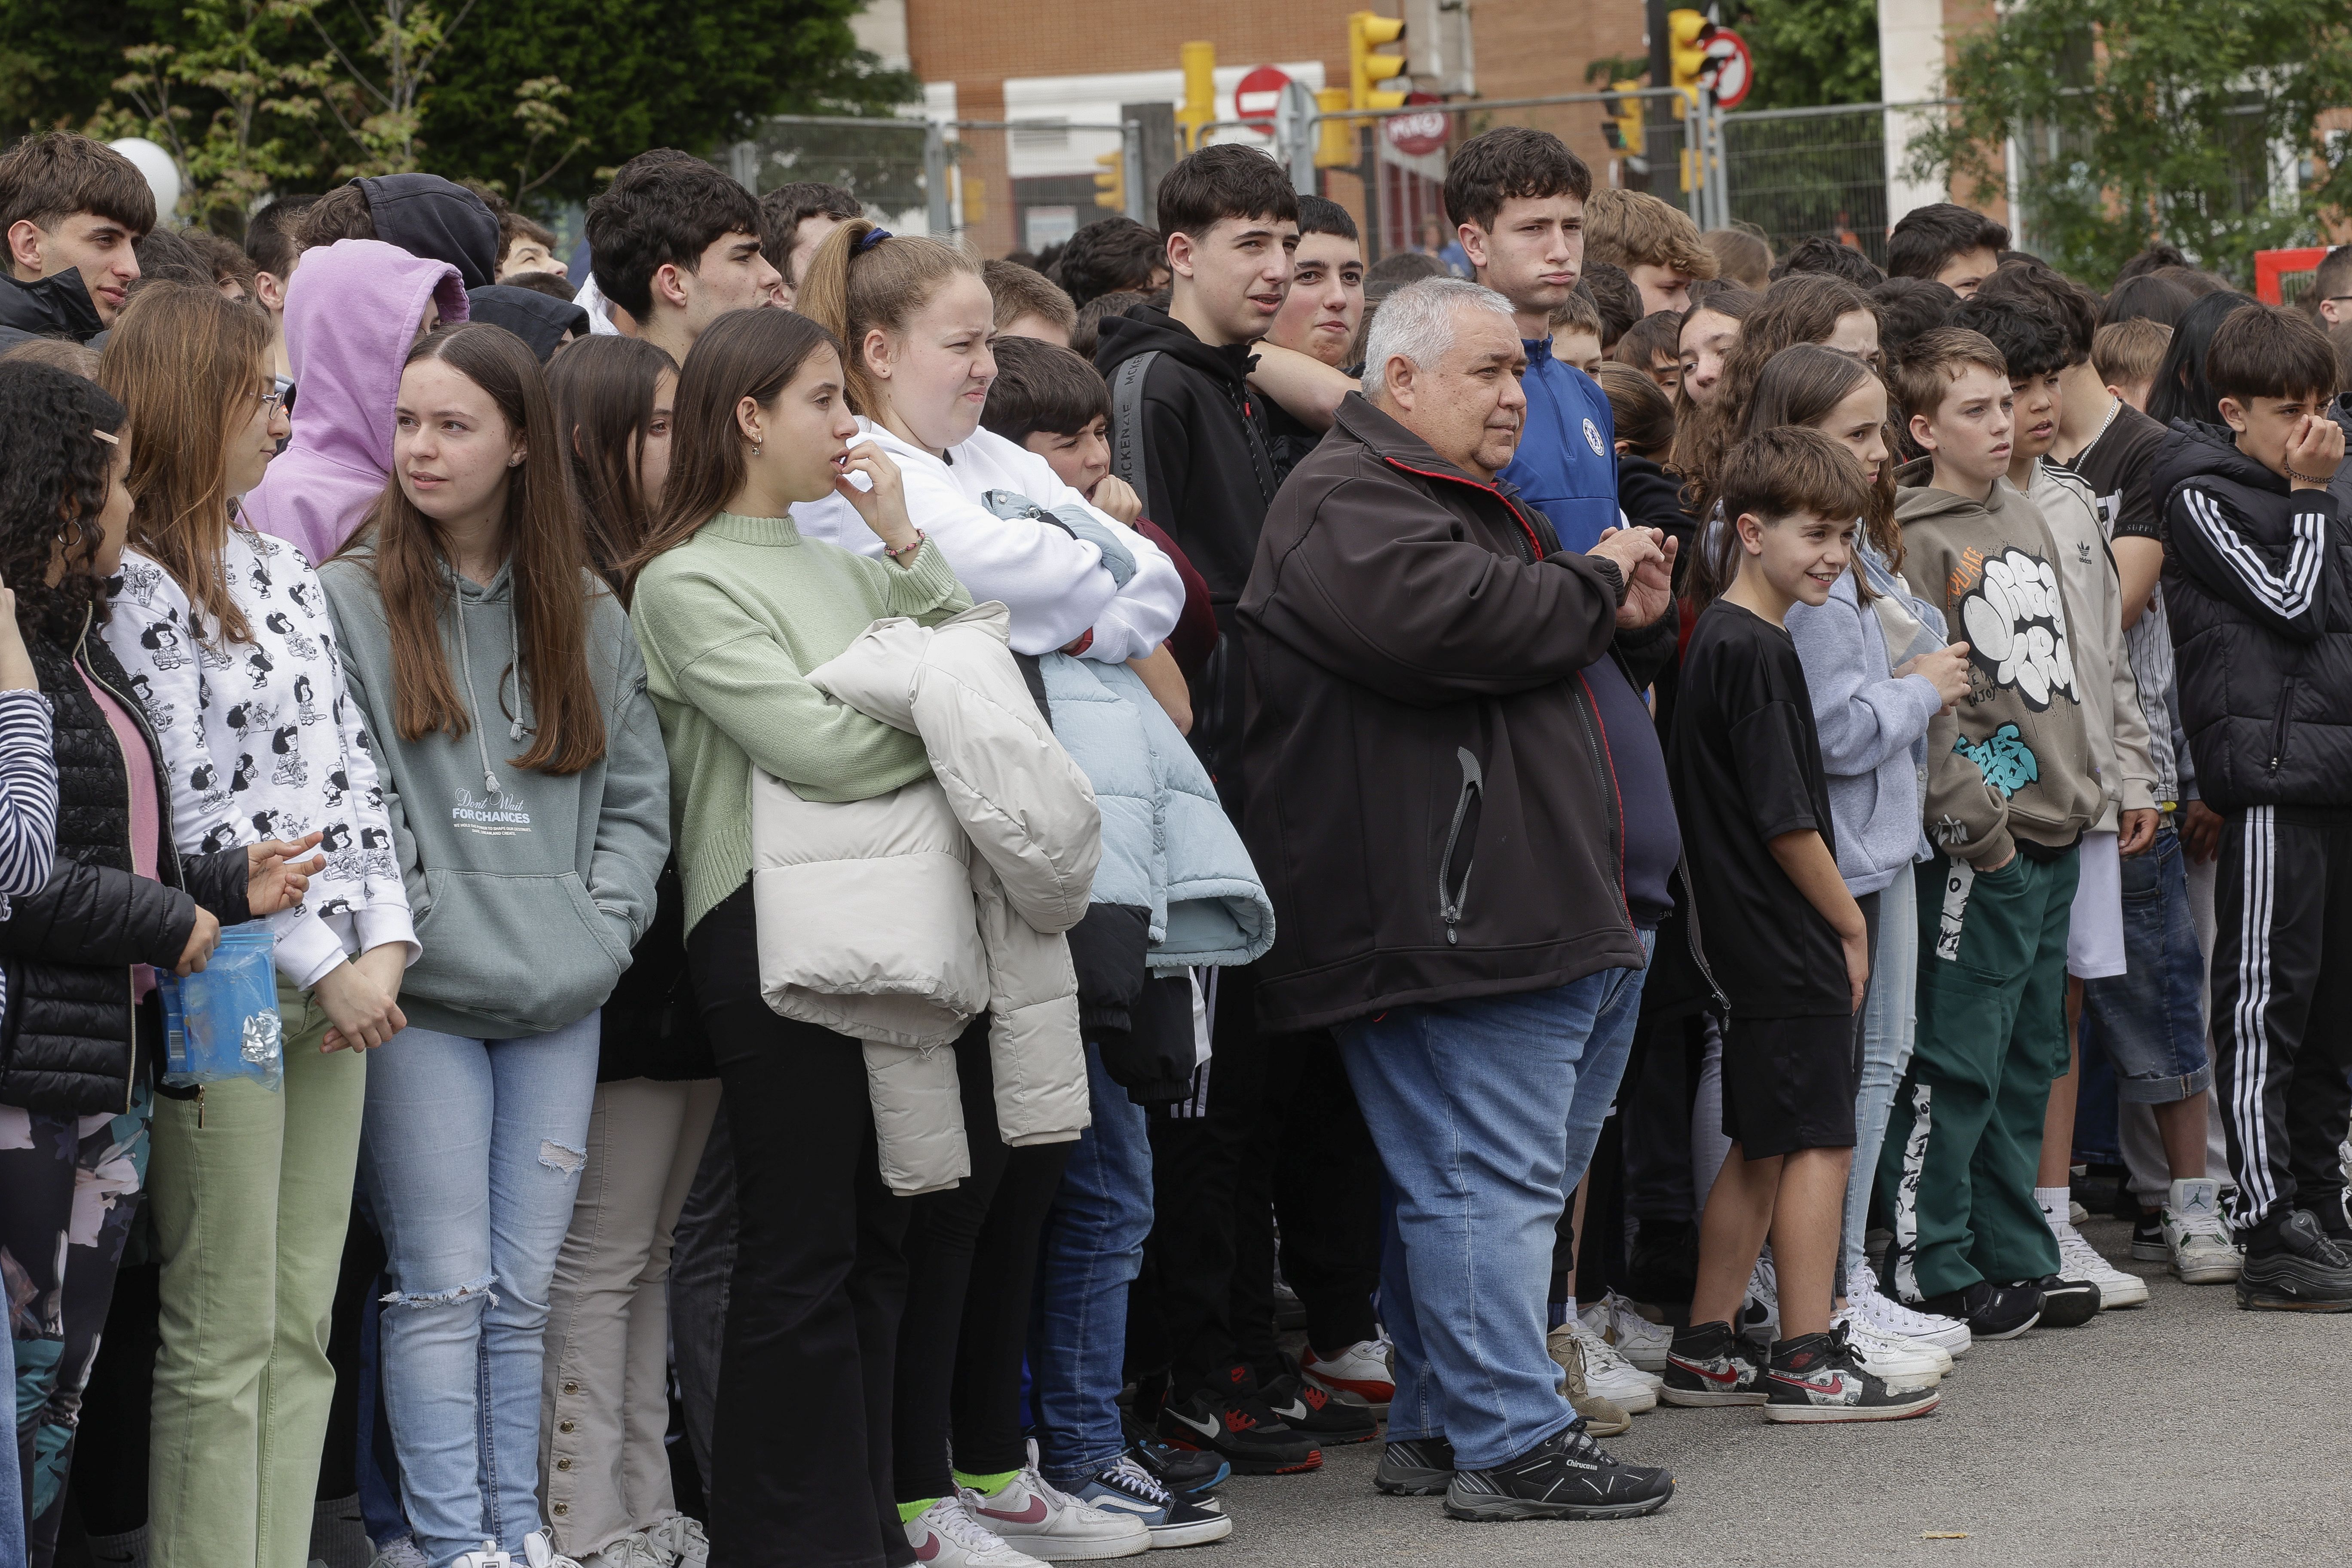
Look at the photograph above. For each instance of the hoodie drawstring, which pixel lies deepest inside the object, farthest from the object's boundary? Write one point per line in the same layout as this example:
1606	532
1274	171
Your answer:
466	664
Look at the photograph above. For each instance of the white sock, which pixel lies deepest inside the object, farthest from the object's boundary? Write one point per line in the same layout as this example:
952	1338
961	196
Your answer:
1572	1307
2056	1202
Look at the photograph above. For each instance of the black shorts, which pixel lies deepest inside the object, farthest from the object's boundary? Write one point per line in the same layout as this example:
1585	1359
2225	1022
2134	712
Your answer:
1789	1084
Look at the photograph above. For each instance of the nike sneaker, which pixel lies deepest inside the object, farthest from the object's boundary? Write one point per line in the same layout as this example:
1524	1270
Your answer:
1303	1407
2193	1237
1242	1430
1711	1365
944	1536
2292	1267
2066	1302
1031	1515
1819	1377
1359	1374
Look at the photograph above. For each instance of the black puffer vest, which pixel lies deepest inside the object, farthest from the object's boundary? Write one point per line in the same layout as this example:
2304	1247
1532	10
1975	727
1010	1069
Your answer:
70	1045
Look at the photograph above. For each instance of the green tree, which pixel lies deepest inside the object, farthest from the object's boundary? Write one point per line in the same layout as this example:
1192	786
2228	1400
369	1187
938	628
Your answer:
2189	120
1810	52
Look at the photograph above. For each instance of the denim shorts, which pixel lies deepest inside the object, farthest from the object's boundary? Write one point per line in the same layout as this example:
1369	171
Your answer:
2147	1019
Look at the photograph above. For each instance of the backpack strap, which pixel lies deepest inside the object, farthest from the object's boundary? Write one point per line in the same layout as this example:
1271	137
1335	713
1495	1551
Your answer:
1127	454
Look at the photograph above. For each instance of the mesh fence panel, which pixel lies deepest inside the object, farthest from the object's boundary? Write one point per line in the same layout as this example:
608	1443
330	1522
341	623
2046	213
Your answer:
1798	176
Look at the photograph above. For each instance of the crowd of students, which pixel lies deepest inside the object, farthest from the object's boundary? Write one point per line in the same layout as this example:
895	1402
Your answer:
1583	823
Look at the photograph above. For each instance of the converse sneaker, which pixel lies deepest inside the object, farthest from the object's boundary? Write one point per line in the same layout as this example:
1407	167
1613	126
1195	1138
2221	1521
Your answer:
1711	1365
1992	1311
1609	1374
1239	1428
1634	1336
1603	1418
1819	1377
1759	1315
2066	1302
1566	1476
2078	1259
1126	1488
683	1538
1417	1466
1889	1316
1898	1362
945	1536
1360	1373
2292	1267
2193	1234
1030	1514
1309	1410
2148	1238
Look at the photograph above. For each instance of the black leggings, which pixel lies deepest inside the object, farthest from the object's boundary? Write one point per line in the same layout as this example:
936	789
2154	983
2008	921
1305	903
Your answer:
971	1257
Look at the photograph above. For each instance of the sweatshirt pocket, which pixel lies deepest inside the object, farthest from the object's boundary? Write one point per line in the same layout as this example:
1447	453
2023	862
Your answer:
1461	846
531	950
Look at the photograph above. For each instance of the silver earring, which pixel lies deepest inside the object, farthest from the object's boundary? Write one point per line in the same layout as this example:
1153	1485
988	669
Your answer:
755	448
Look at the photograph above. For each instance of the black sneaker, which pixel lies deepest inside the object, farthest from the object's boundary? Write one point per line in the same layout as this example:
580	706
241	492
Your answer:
1128	1489
1418	1466
1191	1474
1708	1364
2065	1303
2149	1245
1818	1377
1303	1407
1242	1429
2292	1267
1992	1311
1566	1476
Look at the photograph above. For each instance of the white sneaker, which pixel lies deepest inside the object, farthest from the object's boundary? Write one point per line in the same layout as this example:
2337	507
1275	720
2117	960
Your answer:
1638	1340
1031	1515
2078	1259
490	1556
944	1536
1359	1374
2203	1251
1761	1312
2076	1213
1610	1375
1902	1364
629	1551
401	1554
1889	1316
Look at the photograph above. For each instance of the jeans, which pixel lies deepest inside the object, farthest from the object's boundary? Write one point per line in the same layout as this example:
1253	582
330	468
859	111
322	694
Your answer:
1480	1112
2148	1021
1093	1250
1890	1020
701	1265
473	1150
12	1480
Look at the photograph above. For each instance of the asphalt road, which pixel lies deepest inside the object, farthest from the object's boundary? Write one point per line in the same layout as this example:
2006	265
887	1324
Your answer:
2181	1432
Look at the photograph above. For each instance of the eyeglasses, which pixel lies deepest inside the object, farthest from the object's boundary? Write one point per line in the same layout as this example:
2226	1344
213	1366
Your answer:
271	401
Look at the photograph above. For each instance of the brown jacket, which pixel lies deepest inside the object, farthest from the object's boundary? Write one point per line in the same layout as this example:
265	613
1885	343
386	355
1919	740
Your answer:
1414	641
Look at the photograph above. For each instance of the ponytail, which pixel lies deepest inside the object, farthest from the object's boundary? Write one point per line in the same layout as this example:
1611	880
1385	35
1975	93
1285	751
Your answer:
863	279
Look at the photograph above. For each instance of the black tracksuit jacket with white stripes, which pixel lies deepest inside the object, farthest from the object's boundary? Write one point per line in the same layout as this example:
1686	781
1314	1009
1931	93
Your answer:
2258	584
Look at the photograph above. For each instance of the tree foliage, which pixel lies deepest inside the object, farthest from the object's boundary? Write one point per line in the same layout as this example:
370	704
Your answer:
1810	52
2187	120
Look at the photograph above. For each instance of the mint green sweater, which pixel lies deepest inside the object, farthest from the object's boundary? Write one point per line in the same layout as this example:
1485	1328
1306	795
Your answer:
730	621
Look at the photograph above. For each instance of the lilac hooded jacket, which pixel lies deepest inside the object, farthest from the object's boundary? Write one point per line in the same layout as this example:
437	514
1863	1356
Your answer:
351	314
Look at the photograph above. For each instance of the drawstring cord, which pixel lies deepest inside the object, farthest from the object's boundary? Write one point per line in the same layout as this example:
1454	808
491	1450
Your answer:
466	664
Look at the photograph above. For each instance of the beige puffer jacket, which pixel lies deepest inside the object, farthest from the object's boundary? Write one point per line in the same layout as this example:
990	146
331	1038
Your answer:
897	921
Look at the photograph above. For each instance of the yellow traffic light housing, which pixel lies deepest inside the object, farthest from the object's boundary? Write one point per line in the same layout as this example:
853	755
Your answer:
1335	146
1110	180
1622	129
1687	34
1200	105
1367	34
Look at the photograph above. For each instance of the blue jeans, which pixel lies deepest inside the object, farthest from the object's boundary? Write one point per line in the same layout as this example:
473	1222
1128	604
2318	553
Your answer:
1092	1251
2148	1020
11	1480
1481	1113
1890	1023
473	1150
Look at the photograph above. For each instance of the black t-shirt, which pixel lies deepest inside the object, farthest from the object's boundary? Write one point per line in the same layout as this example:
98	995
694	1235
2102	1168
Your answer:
1746	762
2116	468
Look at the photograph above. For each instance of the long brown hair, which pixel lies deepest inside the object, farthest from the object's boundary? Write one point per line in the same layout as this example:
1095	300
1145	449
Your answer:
547	566
853	284
1804	384
187	363
1803	308
744	353
603	389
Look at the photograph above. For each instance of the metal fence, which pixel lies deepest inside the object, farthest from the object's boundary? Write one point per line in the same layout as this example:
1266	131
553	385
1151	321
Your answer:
1801	172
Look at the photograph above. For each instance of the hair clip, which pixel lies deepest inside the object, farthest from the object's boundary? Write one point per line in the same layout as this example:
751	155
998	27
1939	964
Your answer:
870	239
107	437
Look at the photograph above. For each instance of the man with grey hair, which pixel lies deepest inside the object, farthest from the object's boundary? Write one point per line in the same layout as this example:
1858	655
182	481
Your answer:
1437	817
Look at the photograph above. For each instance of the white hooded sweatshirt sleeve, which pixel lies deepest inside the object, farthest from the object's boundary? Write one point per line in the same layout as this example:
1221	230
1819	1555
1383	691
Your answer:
1057	584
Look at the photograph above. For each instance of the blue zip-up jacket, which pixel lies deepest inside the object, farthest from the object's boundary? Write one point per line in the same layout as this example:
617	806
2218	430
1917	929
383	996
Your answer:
1567	461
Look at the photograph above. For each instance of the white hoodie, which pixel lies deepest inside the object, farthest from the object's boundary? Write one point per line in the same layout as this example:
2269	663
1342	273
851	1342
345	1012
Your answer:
1055	584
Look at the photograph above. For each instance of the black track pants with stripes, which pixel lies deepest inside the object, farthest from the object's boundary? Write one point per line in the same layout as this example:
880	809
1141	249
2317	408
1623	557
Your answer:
2281	1015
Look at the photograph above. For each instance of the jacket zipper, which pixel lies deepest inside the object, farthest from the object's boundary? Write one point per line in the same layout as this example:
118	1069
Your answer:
2286	717
1690	932
1449	901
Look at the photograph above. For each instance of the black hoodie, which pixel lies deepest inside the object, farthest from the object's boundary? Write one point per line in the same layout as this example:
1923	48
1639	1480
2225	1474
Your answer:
538	320
1207	477
428	215
56	307
2258	588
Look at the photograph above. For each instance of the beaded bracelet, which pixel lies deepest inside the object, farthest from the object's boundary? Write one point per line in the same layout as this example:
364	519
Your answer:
906	549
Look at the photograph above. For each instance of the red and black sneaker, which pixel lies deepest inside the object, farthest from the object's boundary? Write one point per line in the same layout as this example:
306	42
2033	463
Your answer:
1303	1407
1239	1426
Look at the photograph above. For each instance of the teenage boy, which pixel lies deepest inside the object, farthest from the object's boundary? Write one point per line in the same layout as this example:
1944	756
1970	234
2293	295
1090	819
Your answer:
269	241
425	215
2037	349
675	245
1753	798
1109	256
2257	580
1318	320
2010	789
1947	243
1576	334
2126	354
794	221
72	209
1516	198
525	246
2331	286
1656	244
1028	304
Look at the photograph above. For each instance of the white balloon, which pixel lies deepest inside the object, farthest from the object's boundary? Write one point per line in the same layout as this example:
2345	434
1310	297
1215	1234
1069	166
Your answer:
162	175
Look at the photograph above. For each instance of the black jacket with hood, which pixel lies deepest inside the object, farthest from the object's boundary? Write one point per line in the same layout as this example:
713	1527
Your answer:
1199	457
56	307
70	1046
538	320
2258	588
438	219
1430	802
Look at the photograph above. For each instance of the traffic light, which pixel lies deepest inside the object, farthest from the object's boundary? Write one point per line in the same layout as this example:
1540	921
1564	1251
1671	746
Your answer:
1335	147
1110	180
1367	33
1622	129
1687	34
975	201
1200	105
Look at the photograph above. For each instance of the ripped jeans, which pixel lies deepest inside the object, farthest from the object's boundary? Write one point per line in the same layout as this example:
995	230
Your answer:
472	1154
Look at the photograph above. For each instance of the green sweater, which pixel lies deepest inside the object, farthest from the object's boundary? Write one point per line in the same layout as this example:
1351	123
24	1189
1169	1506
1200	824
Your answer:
730	621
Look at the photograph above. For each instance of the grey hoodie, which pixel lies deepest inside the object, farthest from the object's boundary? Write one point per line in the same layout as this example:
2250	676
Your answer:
528	889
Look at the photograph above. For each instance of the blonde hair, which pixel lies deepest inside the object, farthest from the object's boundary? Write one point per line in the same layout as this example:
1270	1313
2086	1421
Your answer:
2129	353
852	287
1632	229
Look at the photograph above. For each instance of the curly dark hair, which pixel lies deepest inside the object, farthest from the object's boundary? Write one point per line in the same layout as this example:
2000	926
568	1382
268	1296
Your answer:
56	471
